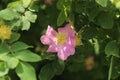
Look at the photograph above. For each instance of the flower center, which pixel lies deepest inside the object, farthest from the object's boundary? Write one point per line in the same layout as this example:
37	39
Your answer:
61	38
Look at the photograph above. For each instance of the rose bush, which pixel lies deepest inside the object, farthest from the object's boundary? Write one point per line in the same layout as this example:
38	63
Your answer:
59	39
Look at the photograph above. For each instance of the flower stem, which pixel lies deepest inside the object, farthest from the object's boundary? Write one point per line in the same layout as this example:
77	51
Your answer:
110	69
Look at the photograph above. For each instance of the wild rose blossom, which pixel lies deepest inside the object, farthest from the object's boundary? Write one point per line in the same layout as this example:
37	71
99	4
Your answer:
63	42
89	62
48	1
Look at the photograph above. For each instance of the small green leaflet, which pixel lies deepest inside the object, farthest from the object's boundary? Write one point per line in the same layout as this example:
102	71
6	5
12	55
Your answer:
112	49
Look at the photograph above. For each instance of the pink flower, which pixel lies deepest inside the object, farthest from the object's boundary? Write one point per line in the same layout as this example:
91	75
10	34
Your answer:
89	62
62	42
48	1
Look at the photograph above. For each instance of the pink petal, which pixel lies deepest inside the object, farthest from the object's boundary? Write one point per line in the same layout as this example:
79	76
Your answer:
71	41
52	48
45	40
51	32
69	50
48	1
68	26
65	51
67	29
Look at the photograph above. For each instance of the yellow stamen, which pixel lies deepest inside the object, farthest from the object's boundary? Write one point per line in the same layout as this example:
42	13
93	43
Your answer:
5	32
77	40
61	38
72	28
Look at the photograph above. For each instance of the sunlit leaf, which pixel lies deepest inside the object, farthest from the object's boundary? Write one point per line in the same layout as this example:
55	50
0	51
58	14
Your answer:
25	71
25	23
26	3
27	56
11	61
19	46
30	16
7	12
3	68
103	3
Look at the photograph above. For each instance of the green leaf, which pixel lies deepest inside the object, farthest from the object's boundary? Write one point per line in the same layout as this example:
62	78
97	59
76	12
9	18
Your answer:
25	23
47	72
14	37
7	12
27	56
60	4
59	67
19	46
80	6
112	49
105	20
117	4
11	61
30	16
116	69
25	71
89	33
2	55
5	78
20	9
14	4
26	3
3	68
51	69
3	49
103	3
61	18
71	18
34	6
94	9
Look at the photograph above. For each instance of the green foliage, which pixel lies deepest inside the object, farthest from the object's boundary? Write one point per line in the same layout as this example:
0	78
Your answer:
51	69
66	11
30	16
23	56
103	3
26	3
19	46
3	49
97	23
47	72
7	12
112	49
14	37
61	18
3	69
25	24
5	78
25	71
105	20
11	61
